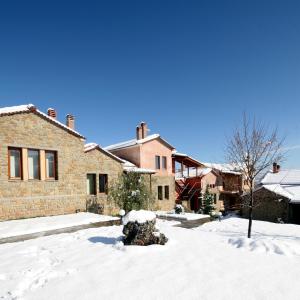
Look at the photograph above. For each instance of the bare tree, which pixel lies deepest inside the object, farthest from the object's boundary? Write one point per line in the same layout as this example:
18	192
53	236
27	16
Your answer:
253	148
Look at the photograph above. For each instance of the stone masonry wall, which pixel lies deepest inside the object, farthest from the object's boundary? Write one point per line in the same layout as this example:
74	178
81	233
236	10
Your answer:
268	207
32	198
165	204
29	198
96	162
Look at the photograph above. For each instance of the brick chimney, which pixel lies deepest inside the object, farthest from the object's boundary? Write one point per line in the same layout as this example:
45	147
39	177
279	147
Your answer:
52	113
276	168
144	128
138	132
70	121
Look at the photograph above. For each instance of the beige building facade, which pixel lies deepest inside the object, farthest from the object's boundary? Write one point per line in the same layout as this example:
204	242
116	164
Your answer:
152	154
45	166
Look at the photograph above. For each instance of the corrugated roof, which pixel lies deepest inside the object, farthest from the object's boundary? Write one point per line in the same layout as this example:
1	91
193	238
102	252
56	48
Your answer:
27	108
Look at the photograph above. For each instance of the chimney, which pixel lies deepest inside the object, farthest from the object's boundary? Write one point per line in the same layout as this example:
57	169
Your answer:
52	113
70	122
276	168
138	132
144	128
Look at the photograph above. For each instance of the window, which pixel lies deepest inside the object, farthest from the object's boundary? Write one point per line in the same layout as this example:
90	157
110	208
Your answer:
164	162
103	183
51	164
15	163
215	198
157	162
159	192
33	164
167	192
91	184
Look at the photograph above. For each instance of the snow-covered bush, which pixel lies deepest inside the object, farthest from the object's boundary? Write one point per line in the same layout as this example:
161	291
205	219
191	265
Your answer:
179	209
139	229
131	191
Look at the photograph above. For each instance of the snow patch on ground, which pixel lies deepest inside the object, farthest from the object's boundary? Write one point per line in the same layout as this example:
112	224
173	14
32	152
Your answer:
33	225
265	246
198	263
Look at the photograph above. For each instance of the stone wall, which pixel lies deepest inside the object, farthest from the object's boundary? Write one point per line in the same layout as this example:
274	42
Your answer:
268	207
97	162
165	204
68	194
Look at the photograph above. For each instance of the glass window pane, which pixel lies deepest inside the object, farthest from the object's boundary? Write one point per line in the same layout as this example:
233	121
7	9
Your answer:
166	192
159	192
15	163
157	162
103	183
164	162
50	165
33	164
90	184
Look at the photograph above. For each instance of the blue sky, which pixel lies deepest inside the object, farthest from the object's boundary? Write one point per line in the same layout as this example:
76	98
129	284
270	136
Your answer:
187	68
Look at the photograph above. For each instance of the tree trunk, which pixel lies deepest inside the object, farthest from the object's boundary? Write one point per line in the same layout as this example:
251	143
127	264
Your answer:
250	211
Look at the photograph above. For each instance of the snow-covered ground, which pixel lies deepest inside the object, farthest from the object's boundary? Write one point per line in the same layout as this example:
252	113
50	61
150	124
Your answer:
183	216
26	226
213	261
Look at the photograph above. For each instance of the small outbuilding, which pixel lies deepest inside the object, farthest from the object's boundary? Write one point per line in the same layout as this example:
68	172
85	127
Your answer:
277	197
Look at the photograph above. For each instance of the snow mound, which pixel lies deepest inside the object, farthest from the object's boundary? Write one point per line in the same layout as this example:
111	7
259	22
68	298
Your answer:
265	245
139	216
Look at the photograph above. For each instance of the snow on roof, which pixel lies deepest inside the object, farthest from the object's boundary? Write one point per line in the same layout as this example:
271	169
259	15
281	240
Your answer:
15	109
282	177
130	167
285	183
176	153
290	192
193	173
139	216
134	142
31	108
92	146
224	168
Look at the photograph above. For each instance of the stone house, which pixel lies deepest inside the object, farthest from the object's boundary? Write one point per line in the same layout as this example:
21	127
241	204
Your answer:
45	167
277	197
193	177
150	154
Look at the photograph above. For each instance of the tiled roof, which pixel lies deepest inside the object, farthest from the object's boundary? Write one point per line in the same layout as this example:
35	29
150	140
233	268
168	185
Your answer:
27	108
